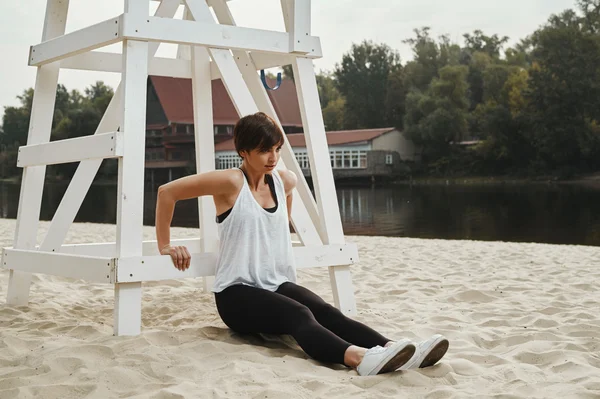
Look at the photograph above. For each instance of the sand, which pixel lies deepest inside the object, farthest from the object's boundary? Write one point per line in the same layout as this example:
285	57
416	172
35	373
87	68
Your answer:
522	319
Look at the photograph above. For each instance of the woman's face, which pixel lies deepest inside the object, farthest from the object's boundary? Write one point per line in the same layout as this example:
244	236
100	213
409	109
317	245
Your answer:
263	161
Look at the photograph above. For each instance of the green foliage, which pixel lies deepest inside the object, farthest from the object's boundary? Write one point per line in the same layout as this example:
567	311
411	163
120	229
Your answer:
362	78
75	115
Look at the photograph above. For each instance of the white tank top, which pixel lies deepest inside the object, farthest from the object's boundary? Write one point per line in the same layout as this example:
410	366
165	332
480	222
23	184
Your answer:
255	245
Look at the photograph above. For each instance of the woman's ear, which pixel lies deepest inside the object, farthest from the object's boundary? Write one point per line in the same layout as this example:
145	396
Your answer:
242	154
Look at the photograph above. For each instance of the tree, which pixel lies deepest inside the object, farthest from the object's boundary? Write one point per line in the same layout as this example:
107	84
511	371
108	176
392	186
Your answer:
396	98
564	94
439	117
332	102
74	115
362	79
478	42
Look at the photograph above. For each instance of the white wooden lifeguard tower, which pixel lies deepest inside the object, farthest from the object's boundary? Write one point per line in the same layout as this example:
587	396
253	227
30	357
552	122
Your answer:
208	49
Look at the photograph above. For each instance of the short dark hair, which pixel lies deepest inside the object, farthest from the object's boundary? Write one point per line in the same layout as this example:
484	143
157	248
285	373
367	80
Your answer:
256	131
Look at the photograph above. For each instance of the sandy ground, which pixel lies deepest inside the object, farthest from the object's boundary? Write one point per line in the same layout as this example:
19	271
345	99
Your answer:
522	320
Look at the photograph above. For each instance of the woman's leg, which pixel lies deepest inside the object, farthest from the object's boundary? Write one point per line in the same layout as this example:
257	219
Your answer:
253	310
330	317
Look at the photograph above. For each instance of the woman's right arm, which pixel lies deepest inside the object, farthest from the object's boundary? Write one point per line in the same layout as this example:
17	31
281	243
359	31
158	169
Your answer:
215	183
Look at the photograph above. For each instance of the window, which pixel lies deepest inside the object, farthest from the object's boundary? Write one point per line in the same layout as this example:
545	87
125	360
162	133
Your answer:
348	159
363	159
228	161
302	158
389	159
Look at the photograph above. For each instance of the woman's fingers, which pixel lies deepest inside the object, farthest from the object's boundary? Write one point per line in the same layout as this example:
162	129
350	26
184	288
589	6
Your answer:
181	257
188	257
177	258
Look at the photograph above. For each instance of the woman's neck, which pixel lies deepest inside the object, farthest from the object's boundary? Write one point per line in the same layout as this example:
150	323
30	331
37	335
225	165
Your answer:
255	178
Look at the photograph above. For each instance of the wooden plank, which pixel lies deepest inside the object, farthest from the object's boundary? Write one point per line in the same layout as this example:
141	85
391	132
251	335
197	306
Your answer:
82	180
156	268
211	35
86	39
100	61
130	190
286	9
205	148
322	175
32	184
93	269
299	27
149	247
184	52
106	145
109	249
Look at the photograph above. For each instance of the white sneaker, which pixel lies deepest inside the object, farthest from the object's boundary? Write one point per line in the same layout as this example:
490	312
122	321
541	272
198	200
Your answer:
380	360
428	353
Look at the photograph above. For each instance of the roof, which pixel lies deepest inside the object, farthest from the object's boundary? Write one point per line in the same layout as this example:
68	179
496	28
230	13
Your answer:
340	137
175	96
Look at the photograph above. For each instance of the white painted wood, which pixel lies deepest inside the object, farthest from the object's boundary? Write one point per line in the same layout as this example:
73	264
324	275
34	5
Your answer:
286	9
106	145
183	1
86	39
82	180
156	268
109	249
322	175
270	60
32	183
318	150
93	269
130	202
149	247
184	52
204	138
299	26
203	117
304	212
210	35
99	61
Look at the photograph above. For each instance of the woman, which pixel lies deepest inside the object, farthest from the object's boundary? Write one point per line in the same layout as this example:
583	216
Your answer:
255	284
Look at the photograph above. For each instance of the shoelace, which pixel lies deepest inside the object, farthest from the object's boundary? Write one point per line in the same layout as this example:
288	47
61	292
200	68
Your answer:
376	349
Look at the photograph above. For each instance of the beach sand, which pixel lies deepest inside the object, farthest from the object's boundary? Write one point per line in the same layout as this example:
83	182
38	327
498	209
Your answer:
523	321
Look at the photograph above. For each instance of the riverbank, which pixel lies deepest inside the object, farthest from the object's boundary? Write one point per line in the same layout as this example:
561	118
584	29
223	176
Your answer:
591	180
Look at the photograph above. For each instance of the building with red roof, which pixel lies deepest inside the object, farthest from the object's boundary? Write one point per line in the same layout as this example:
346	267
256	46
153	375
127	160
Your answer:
170	134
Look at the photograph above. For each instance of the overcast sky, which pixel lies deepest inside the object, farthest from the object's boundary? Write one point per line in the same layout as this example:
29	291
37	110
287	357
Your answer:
338	23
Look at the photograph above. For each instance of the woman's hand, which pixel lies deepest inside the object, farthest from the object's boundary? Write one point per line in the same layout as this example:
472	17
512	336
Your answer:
180	256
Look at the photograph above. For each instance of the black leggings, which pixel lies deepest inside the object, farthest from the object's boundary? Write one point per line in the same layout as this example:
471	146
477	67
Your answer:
322	331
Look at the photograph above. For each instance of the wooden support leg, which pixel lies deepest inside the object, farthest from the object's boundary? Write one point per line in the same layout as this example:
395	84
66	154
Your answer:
130	205
314	132
32	185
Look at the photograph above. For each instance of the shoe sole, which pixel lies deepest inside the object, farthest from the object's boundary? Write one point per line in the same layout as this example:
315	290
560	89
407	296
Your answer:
436	354
398	360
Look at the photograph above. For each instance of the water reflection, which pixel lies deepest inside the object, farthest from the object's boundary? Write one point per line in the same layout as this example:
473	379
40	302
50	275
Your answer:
566	214
553	214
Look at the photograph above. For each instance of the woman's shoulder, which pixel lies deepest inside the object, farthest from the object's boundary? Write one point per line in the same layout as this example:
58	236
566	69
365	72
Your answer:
289	179
233	178
224	182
